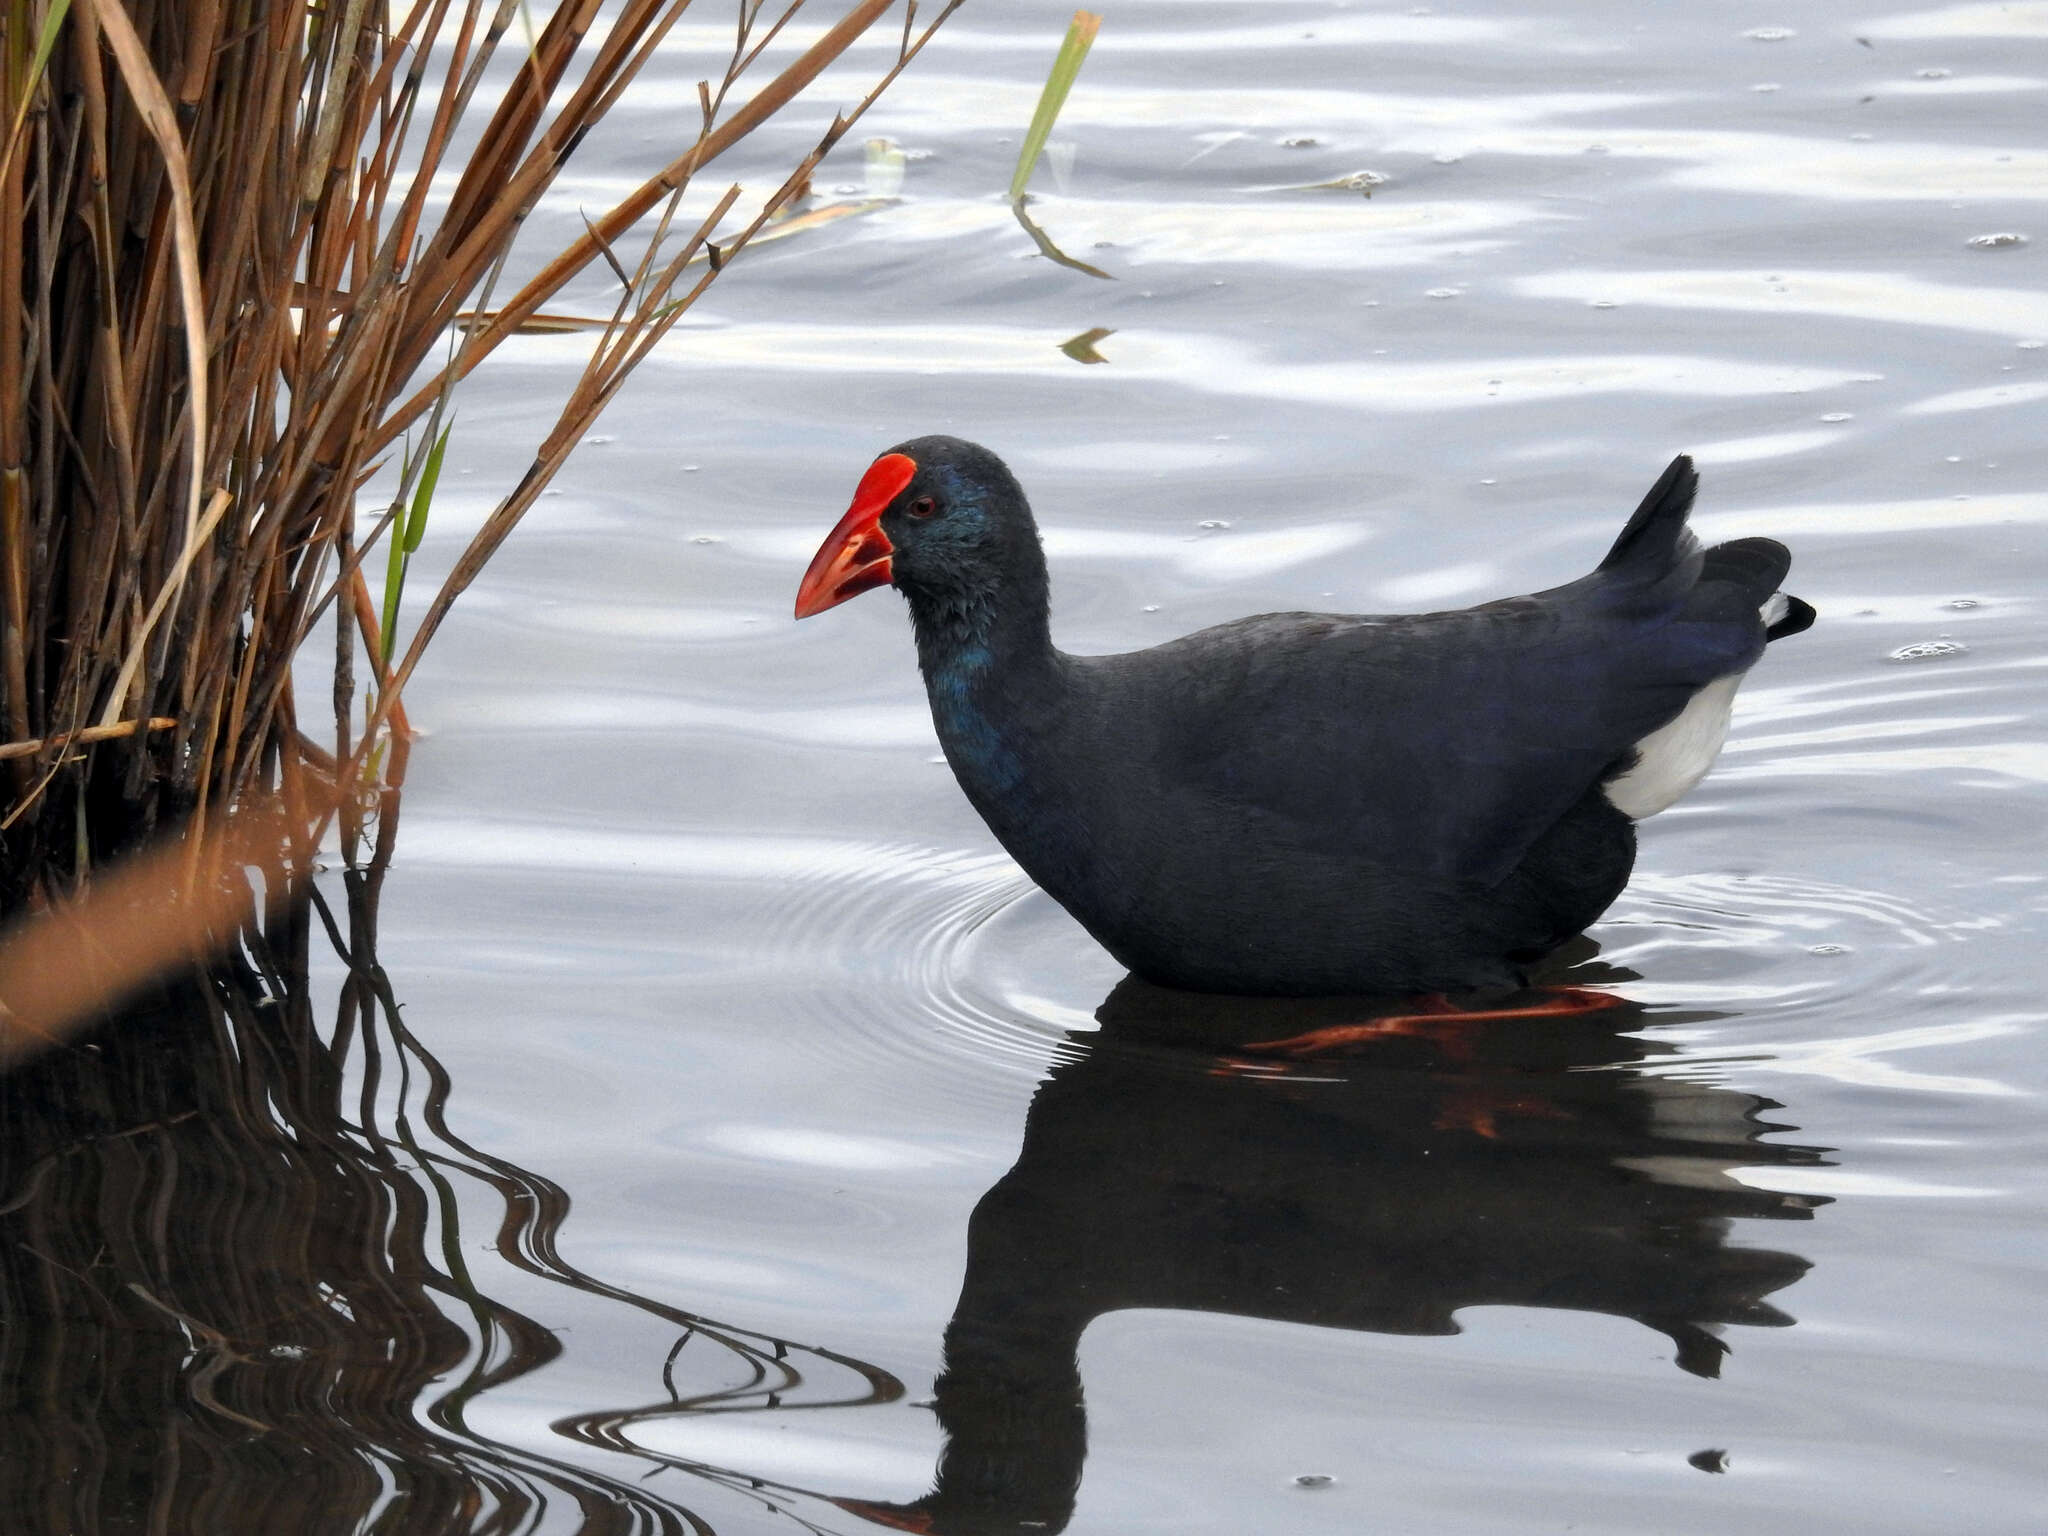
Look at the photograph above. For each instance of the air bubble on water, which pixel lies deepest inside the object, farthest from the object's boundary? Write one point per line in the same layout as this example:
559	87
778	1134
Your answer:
1446	158
1769	34
1936	73
1829	949
1600	304
707	538
1489	482
1765	87
598	440
1952	458
1440	293
1300	141
1832	417
1963	604
1151	608
2000	240
1314	1480
1861	138
1929	650
1214	523
1595	149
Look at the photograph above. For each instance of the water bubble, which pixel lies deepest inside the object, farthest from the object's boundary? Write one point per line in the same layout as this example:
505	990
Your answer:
1861	138
1214	522
286	1351
707	538
1440	293
1359	181
1446	158
1829	949
1300	141
1314	1480
1600	304
1936	73
1769	34
690	469
1595	149
598	440
1929	650
2000	240
1489	482
1963	604
1765	87
1952	458
1838	416
1151	608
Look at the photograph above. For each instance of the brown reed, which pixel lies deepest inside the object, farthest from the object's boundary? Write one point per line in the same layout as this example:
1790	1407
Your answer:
228	290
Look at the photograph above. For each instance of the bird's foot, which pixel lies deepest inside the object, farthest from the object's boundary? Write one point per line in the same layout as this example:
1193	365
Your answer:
1436	1019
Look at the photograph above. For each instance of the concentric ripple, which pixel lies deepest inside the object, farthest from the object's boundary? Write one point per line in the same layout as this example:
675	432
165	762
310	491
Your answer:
935	960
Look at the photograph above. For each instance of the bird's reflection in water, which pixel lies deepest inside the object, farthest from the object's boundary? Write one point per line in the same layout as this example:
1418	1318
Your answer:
1436	1165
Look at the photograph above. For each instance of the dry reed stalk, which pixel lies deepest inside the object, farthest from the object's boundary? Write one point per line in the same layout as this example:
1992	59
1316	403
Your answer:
224	278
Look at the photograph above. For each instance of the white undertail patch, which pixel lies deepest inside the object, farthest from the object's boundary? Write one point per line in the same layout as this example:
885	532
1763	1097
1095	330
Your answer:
1674	757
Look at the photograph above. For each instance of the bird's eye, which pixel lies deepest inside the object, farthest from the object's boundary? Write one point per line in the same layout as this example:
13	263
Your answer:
924	506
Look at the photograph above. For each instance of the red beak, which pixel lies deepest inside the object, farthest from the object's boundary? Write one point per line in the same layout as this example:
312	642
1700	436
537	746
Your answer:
855	554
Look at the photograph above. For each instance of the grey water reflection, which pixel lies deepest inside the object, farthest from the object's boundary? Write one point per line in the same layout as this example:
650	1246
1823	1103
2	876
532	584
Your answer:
1443	1166
251	1279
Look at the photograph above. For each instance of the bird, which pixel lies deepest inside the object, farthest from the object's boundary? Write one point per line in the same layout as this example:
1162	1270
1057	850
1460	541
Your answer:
1316	804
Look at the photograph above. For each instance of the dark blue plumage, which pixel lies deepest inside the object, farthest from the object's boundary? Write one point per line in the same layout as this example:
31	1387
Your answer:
1317	803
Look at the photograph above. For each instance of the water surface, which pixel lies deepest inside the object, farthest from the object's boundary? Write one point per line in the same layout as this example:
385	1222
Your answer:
892	1202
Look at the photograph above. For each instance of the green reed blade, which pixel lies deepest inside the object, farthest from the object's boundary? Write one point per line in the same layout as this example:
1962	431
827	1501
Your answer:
423	498
394	583
46	39
405	540
1080	37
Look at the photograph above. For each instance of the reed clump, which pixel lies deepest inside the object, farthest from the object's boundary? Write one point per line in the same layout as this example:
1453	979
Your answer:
249	249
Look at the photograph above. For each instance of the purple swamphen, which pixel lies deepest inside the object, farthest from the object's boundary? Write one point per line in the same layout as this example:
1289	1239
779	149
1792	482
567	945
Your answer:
1316	803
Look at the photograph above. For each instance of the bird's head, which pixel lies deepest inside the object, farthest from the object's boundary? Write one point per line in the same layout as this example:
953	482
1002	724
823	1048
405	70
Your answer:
942	520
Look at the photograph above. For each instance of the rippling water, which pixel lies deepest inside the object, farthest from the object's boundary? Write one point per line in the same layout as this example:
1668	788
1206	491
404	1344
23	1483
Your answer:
705	935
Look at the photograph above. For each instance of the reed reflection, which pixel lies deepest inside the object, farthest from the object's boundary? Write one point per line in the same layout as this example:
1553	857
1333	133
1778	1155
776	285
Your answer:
1439	1165
245	1282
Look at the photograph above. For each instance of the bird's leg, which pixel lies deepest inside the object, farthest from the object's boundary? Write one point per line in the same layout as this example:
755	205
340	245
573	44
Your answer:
1435	1018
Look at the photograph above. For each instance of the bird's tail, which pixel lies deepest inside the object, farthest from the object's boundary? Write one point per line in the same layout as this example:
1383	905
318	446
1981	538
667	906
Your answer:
1656	537
1754	568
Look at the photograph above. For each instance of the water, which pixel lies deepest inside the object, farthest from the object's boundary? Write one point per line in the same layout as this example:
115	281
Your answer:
808	1074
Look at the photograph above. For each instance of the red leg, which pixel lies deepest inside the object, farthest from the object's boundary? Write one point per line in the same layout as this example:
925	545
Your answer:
1436	1019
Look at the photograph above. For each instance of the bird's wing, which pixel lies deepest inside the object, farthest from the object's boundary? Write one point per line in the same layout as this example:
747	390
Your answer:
1449	742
